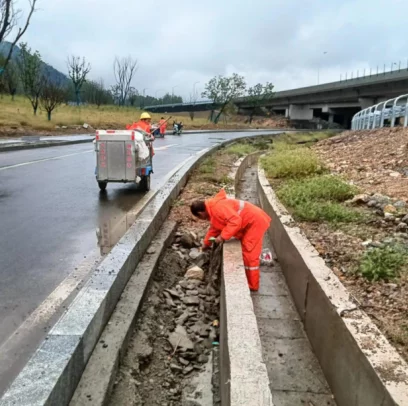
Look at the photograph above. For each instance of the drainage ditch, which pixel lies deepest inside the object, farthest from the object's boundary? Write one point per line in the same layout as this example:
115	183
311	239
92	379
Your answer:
172	357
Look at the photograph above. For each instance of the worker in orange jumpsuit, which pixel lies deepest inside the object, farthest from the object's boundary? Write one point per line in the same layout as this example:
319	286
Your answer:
163	126
235	218
143	124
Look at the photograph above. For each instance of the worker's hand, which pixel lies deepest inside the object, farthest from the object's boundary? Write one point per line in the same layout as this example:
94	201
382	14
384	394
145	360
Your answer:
204	247
219	240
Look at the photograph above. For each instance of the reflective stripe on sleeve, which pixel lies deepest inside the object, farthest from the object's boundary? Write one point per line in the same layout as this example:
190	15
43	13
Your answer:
241	206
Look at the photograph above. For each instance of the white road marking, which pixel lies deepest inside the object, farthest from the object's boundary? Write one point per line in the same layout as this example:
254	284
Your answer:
164	147
44	160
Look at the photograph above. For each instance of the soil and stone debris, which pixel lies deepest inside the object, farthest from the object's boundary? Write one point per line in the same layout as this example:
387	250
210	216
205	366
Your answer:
170	355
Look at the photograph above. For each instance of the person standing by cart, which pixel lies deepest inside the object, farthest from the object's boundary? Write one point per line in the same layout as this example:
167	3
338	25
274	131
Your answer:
145	125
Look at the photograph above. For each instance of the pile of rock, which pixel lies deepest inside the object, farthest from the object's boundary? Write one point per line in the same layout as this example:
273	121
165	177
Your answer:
392	211
194	302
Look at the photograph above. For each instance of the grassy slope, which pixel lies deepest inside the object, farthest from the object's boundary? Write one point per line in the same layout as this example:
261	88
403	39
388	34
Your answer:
19	114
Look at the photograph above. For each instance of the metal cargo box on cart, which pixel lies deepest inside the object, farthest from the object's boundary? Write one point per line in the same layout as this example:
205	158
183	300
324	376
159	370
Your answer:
118	158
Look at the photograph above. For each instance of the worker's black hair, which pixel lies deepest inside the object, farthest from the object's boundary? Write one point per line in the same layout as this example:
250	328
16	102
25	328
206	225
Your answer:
162	118
197	206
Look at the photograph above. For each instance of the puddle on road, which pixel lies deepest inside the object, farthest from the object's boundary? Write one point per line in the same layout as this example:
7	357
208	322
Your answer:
117	211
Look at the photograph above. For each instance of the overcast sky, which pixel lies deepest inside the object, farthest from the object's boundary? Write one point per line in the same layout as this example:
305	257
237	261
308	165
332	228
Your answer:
180	42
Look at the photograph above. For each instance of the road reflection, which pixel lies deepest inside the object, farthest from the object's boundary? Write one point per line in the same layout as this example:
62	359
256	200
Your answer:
116	214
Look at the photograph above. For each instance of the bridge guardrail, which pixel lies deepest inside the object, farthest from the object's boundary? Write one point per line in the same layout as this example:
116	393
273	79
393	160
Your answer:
382	114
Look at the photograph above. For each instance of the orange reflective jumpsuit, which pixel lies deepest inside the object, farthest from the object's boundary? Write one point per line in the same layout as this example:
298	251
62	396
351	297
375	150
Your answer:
142	125
244	221
163	126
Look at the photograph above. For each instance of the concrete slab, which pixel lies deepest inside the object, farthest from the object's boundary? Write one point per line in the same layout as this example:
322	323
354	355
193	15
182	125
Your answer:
280	328
274	307
292	365
272	284
281	398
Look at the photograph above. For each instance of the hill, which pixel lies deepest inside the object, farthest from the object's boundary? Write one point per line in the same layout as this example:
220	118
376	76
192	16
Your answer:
50	72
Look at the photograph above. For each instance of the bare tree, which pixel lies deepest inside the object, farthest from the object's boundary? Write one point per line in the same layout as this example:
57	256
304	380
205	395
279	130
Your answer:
124	70
78	70
52	95
9	17
31	74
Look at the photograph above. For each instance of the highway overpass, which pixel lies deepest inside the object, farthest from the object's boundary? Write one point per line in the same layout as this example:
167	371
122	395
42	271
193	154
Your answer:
335	102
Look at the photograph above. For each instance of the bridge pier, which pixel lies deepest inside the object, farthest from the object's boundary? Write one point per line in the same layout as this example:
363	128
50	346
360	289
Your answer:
366	102
300	112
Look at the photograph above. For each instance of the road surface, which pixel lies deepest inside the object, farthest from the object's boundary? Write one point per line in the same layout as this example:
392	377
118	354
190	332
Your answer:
55	223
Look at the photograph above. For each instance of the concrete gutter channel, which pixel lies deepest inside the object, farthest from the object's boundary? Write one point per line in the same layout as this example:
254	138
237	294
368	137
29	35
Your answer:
53	373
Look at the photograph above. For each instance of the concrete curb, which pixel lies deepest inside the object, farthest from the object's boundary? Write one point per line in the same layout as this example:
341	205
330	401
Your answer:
244	377
360	366
52	374
97	380
46	144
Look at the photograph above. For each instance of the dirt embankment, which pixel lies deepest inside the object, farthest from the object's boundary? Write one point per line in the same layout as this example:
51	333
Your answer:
377	162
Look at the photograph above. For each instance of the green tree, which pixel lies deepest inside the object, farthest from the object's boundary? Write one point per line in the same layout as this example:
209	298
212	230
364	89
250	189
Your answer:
94	92
78	71
11	79
52	95
257	95
31	75
222	90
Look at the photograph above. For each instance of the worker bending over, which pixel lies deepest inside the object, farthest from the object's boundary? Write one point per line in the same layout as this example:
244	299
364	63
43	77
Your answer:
235	218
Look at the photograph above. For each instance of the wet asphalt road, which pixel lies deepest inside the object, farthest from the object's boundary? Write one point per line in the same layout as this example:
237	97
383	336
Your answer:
51	213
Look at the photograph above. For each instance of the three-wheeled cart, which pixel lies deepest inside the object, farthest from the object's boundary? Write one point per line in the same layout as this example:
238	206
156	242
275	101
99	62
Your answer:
123	156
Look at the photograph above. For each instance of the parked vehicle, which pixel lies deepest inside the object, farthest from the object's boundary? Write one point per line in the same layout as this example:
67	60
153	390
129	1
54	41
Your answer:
123	156
177	128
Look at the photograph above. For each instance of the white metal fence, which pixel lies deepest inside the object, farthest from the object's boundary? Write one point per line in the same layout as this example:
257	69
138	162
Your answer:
385	114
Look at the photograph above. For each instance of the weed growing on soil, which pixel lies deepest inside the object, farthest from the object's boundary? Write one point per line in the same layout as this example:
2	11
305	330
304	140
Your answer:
291	162
318	198
383	263
325	211
241	149
304	138
326	187
208	166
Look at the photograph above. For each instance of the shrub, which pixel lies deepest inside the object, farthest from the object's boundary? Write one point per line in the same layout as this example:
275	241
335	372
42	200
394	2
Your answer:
382	263
291	162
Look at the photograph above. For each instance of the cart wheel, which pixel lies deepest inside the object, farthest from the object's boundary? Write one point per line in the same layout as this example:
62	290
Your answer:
102	185
145	183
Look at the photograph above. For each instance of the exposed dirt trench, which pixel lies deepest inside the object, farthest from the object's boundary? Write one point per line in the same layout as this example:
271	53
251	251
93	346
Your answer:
170	358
